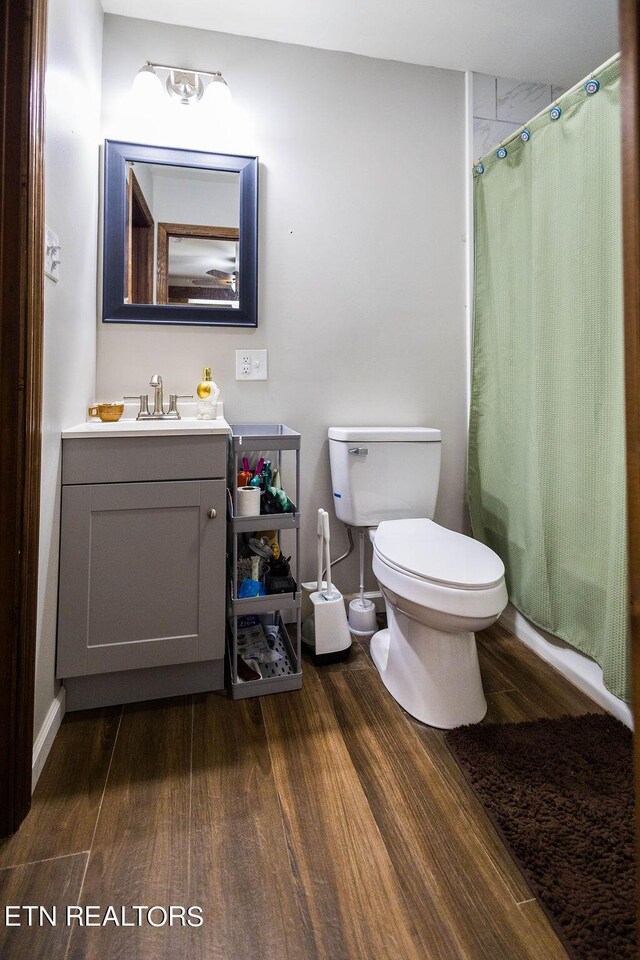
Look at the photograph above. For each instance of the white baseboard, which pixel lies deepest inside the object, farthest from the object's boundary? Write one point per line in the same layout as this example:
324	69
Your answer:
581	670
46	735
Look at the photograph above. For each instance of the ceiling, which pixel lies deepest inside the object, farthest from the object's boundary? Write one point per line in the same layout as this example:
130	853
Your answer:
552	41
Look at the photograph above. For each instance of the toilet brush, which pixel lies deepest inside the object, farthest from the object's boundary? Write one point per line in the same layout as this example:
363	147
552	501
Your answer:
362	612
329	630
308	626
326	536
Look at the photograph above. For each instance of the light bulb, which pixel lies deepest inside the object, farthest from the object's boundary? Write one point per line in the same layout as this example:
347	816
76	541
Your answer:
217	94
147	85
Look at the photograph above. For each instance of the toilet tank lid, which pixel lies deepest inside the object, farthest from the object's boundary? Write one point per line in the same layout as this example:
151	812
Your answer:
384	434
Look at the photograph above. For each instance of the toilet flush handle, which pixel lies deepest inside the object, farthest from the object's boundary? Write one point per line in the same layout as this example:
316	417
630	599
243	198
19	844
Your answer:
359	451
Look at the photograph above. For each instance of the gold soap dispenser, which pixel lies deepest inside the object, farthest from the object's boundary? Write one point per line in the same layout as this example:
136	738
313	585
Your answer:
208	393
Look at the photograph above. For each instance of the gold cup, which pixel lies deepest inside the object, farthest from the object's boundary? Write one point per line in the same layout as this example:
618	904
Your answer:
108	412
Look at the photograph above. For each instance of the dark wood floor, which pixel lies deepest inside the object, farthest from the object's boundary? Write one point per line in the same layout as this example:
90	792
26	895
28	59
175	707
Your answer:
318	824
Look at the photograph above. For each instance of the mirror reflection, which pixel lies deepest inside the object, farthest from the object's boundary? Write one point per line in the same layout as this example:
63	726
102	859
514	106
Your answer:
181	236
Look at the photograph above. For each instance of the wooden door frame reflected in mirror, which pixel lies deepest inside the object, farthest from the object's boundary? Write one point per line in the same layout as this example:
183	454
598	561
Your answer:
186	231
140	244
116	309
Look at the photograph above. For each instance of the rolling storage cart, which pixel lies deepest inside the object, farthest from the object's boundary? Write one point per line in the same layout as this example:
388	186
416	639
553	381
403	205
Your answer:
272	441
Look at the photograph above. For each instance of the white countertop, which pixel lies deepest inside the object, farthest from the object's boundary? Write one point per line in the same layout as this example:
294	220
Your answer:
147	428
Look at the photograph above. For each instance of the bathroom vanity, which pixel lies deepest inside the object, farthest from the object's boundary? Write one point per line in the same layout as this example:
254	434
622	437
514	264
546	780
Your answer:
142	560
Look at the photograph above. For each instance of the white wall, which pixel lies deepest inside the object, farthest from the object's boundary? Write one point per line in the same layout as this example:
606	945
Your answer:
195	201
72	130
361	272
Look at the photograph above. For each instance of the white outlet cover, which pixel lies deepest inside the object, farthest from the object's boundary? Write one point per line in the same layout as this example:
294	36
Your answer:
51	254
251	365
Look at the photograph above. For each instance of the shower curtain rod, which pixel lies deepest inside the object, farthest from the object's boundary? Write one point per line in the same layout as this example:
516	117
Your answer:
545	110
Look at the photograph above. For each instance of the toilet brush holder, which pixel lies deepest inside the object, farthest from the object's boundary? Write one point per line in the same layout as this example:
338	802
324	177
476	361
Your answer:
362	617
331	636
325	630
306	590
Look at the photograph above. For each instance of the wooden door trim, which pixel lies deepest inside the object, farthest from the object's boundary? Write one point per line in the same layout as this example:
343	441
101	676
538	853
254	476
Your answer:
136	195
136	191
166	230
22	67
629	12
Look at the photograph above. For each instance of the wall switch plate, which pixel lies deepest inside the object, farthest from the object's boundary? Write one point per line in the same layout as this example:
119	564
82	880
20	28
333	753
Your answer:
251	364
51	254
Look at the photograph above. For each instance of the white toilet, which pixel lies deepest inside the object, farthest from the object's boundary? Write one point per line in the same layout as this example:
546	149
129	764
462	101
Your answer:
439	586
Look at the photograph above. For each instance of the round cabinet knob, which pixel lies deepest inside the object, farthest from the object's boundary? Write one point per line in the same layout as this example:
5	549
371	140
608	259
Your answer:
213	514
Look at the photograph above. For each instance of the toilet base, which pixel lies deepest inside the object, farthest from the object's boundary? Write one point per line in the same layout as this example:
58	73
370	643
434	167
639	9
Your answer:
433	675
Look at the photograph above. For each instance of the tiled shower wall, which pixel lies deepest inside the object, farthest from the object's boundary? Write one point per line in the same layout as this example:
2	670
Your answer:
500	106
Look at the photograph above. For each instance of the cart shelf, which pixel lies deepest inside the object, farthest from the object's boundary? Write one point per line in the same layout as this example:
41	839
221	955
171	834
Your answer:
272	439
267	604
264	521
285	674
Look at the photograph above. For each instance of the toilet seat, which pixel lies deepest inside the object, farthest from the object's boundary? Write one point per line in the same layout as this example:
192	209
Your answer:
425	551
457	602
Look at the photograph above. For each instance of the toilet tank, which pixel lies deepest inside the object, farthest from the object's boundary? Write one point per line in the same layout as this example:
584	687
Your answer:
384	473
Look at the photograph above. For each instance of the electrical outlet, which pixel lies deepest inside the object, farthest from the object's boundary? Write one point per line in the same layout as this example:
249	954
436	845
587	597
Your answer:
251	364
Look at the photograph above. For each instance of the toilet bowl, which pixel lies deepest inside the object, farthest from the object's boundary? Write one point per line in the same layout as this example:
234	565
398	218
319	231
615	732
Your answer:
439	588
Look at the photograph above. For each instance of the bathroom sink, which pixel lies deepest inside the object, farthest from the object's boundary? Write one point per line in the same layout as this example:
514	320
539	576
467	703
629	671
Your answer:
150	428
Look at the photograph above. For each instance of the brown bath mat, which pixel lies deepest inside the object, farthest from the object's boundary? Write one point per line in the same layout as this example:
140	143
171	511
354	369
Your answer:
560	792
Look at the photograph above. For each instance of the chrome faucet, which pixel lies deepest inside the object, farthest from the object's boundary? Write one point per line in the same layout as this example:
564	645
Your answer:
158	400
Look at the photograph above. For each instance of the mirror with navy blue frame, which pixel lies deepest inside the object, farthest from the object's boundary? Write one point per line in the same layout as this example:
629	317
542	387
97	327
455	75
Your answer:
180	236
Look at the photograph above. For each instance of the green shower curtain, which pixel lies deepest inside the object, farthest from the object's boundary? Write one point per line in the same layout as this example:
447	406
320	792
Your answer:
546	474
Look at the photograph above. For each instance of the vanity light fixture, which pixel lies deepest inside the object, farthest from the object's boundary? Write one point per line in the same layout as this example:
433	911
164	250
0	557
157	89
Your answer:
182	84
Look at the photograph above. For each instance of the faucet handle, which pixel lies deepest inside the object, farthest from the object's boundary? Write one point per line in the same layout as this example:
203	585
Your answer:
143	400
173	404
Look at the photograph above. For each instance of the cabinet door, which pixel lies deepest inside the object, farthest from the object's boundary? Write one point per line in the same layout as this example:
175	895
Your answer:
142	575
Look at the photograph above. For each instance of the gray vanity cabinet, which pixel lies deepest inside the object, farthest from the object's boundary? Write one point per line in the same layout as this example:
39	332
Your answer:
142	571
